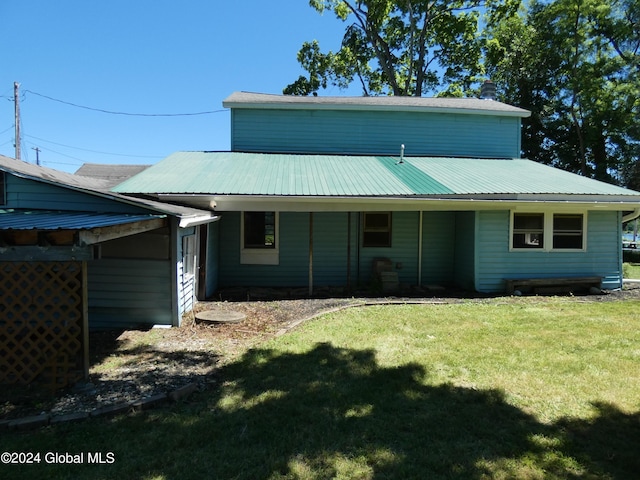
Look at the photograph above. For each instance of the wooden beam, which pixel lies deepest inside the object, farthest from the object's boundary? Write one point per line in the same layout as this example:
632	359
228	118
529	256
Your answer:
103	234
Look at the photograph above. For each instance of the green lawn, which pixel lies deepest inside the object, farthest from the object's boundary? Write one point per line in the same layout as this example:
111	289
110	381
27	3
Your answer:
530	388
631	270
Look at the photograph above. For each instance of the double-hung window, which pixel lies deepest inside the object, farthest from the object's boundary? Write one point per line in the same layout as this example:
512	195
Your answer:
548	231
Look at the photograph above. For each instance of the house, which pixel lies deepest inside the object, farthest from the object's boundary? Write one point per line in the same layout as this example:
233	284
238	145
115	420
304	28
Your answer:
337	191
74	256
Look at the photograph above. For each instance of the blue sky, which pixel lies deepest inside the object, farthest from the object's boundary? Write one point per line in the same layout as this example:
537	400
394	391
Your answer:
148	57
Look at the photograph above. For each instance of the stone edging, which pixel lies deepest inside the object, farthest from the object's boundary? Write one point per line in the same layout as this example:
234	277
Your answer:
145	403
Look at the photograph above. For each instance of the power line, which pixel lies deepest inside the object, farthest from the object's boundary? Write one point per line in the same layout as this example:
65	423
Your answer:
93	151
125	113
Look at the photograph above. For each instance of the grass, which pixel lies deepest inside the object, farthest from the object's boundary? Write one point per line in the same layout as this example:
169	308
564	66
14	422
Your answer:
631	270
531	388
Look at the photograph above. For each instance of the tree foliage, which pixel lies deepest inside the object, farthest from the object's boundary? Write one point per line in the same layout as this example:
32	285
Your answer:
405	47
574	64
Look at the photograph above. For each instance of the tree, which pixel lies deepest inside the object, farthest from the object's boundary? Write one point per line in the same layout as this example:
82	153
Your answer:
562	61
405	47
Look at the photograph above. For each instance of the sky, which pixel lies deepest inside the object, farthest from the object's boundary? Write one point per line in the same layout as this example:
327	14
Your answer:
140	59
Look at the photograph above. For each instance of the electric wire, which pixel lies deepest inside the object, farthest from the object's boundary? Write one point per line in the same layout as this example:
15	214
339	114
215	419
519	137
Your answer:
111	112
94	151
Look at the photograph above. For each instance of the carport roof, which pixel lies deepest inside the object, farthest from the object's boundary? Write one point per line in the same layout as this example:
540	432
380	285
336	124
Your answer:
21	219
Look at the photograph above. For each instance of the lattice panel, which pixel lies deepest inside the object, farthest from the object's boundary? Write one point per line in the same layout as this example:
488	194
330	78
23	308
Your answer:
41	322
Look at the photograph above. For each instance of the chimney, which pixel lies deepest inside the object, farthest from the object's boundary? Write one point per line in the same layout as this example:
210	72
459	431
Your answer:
488	90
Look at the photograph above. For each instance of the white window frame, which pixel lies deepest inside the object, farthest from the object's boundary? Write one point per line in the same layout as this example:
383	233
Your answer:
260	256
548	231
189	255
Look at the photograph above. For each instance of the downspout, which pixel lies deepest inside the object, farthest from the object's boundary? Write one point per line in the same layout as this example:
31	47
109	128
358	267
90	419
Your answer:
631	216
348	251
310	254
420	250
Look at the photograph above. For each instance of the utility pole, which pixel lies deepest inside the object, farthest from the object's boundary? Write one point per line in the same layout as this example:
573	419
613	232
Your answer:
37	155
16	104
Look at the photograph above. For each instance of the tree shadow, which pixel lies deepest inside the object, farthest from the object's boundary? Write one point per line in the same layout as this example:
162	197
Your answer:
328	411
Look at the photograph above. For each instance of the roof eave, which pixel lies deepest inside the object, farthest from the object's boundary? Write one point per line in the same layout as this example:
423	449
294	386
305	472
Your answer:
222	203
370	108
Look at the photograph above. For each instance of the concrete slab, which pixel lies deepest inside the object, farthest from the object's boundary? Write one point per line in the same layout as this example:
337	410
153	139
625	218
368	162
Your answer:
220	316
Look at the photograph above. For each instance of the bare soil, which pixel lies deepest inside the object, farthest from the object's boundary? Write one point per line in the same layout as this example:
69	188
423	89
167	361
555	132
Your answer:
130	365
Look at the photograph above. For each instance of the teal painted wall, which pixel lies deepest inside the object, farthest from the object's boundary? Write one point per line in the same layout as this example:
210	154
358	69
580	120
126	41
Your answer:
25	193
403	252
464	261
495	262
294	254
330	251
213	259
438	234
125	293
375	133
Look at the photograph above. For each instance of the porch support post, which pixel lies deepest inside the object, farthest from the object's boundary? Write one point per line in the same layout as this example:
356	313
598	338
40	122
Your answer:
310	253
348	250
420	223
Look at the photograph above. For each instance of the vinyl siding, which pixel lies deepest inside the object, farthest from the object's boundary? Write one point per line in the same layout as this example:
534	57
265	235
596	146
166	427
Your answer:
292	270
125	293
378	133
403	252
29	194
213	259
438	233
464	264
495	261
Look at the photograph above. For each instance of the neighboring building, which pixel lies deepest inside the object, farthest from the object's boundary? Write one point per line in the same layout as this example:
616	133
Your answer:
323	191
134	248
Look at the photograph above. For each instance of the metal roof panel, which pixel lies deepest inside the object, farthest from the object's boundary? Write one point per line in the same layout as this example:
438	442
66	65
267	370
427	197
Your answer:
235	173
17	219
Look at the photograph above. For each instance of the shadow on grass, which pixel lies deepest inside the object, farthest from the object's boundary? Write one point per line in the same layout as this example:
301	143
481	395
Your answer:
337	413
334	412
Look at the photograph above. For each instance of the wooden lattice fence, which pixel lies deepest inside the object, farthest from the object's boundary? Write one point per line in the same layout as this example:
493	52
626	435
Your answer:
43	323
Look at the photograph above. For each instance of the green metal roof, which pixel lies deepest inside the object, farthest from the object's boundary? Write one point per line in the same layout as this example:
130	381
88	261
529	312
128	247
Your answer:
234	173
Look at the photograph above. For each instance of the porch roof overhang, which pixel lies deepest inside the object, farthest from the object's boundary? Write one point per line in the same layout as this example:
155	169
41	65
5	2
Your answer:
222	203
90	227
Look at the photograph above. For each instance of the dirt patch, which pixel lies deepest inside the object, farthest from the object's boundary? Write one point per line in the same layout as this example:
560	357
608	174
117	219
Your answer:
129	365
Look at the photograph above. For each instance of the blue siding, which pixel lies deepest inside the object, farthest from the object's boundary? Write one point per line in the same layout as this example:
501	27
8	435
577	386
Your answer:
127	293
213	260
465	235
438	233
330	238
376	133
30	194
495	261
293	269
403	252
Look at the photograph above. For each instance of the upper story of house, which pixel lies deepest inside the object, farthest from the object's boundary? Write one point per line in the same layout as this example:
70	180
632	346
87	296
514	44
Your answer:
445	127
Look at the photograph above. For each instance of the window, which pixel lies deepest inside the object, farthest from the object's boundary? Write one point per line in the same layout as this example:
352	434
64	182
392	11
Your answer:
548	232
528	230
259	230
189	255
376	231
259	238
567	231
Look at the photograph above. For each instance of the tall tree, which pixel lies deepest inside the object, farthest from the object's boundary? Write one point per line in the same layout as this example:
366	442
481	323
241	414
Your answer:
560	61
401	47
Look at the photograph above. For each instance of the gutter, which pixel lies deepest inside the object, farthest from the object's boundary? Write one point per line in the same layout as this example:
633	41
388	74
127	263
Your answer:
196	220
631	216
